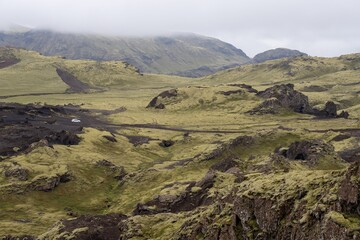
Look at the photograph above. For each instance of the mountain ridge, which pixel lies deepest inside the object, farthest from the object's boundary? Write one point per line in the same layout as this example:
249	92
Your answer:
277	53
168	54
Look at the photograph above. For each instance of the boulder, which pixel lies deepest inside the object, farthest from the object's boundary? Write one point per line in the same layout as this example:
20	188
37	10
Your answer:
17	172
349	190
282	96
330	111
195	195
309	150
166	143
156	101
47	184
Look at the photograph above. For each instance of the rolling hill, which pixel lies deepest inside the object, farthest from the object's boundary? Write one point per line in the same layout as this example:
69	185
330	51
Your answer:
277	54
261	151
182	54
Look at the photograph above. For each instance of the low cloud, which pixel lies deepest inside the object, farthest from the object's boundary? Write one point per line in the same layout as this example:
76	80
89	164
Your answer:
318	27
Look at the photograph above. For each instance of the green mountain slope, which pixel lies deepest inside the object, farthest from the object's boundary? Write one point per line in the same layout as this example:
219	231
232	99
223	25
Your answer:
177	54
28	72
277	54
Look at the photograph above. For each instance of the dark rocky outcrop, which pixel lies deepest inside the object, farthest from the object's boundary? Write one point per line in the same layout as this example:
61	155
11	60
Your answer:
110	138
17	172
166	143
47	184
330	111
24	237
195	195
351	154
138	140
314	88
7	57
228	93
26	127
117	171
284	97
154	103
94	227
281	97
249	88
257	216
310	151
63	137
74	84
224	165
349	190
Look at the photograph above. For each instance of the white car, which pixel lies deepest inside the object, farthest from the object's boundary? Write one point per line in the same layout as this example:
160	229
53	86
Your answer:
74	120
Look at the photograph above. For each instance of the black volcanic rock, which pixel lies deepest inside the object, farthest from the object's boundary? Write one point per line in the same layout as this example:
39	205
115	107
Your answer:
154	103
277	54
282	97
330	111
309	151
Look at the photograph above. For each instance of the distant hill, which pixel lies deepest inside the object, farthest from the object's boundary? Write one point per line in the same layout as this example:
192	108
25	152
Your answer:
182	54
277	54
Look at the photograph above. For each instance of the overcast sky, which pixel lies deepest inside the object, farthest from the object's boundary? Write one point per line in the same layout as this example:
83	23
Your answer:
317	27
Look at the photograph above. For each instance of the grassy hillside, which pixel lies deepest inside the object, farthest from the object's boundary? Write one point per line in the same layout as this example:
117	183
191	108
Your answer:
322	79
201	166
178	54
277	53
36	74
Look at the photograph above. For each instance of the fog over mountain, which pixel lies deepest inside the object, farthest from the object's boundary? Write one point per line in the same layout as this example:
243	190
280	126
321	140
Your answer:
320	27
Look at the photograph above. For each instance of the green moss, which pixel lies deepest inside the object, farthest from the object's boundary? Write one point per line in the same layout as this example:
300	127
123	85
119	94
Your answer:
352	223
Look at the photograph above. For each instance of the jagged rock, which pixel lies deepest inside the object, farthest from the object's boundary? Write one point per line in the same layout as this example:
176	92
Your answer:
224	165
330	111
25	237
314	88
341	137
310	151
118	171
105	163
269	106
245	86
138	140
351	155
25	127
64	138
349	190
110	138
239	141
282	97
160	106
228	93
195	195
93	227
166	143
343	114
237	173
17	172
154	103
47	184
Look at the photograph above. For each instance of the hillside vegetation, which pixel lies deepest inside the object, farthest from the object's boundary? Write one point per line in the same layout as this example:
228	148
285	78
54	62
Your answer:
261	151
277	53
183	54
